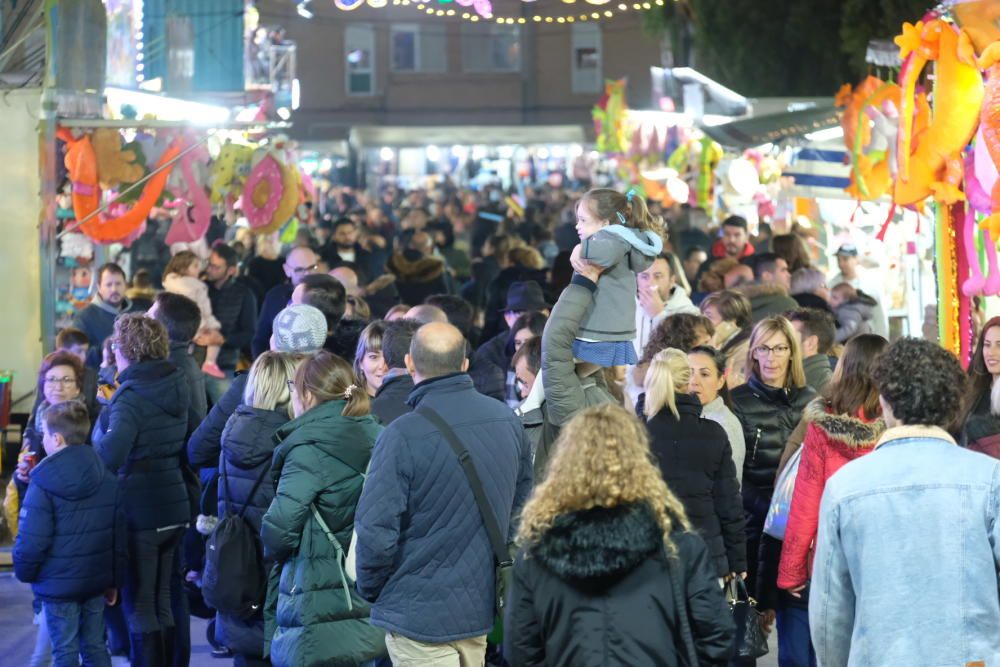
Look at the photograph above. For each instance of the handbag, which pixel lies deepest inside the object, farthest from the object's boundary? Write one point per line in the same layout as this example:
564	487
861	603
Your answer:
750	640
781	501
503	563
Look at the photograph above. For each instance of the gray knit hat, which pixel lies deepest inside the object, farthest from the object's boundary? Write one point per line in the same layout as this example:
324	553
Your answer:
299	328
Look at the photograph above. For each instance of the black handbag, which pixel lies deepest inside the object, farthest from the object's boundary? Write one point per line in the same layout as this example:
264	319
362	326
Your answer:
750	640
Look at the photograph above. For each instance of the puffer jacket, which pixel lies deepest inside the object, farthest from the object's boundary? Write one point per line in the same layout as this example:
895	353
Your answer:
598	589
831	442
418	276
140	437
623	252
855	317
71	542
320	459
247	448
767	300
768	415
697	464
566	393
423	553
390	399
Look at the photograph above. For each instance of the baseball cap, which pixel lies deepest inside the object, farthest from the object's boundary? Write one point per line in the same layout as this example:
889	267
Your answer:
848	250
299	328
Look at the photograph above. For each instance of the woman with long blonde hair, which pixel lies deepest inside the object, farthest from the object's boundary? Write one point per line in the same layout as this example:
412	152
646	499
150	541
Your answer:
610	572
245	483
769	406
696	461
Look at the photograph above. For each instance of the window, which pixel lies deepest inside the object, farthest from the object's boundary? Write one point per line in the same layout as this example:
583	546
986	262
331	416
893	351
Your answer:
491	48
418	48
359	55
586	71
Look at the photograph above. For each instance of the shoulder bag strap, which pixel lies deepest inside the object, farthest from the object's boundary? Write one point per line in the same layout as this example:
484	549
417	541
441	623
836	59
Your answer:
497	541
339	549
256	485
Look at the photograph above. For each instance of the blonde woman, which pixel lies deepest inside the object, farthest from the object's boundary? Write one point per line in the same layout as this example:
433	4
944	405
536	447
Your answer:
247	447
609	571
696	461
769	406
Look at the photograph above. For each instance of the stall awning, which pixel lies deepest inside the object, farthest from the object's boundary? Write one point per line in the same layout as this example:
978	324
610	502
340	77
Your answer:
773	128
819	171
487	135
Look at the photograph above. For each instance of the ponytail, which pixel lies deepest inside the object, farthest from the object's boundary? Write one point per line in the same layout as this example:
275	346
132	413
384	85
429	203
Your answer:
627	209
668	372
639	216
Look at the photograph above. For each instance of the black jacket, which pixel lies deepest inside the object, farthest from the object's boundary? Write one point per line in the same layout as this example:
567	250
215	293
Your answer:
140	436
205	443
390	399
248	445
596	590
236	309
182	359
495	350
496	295
697	464
768	415
274	303
418	276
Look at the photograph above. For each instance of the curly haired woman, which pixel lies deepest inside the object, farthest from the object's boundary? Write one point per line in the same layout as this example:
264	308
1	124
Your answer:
610	572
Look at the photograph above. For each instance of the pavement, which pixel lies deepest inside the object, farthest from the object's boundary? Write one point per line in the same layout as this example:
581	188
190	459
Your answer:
17	634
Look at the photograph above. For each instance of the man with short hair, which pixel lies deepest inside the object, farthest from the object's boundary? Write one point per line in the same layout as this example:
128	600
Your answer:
816	330
852	273
734	239
424	558
97	320
694	257
768	293
182	317
233	304
299	263
808	288
658	296
918	517
426	313
390	399
298	328
419	272
489	379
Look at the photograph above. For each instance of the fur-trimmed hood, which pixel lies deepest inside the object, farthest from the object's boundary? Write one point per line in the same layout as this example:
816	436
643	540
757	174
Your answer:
849	430
759	290
412	267
601	543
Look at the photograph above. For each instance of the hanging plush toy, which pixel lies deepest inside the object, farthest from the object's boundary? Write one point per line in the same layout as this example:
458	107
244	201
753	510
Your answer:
262	191
114	164
229	171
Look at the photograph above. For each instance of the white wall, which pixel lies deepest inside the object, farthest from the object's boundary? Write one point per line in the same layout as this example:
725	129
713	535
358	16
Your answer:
20	309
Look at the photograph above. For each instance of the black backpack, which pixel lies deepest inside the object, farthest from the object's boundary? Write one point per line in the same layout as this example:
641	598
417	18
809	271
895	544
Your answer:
234	581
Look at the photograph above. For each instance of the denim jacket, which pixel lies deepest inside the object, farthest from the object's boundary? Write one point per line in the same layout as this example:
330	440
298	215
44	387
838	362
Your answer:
907	556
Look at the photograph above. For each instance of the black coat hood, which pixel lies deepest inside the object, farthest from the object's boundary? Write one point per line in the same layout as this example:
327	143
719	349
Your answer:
599	545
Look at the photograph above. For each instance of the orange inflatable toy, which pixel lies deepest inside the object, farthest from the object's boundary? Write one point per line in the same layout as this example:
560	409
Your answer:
81	163
958	94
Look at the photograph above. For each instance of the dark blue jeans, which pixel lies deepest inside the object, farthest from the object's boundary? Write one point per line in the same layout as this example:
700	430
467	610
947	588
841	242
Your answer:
794	644
77	631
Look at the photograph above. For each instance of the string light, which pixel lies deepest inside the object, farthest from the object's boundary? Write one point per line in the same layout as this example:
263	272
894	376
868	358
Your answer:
477	10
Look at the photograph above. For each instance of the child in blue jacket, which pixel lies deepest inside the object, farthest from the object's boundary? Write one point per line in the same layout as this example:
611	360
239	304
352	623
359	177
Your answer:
71	541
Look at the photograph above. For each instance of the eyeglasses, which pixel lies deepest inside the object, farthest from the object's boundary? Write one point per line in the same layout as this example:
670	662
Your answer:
299	270
66	381
114	347
765	351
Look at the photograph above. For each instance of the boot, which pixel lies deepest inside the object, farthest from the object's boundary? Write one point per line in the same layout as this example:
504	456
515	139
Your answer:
147	649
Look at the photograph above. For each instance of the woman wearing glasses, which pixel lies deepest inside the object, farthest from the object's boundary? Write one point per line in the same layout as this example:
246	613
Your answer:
769	406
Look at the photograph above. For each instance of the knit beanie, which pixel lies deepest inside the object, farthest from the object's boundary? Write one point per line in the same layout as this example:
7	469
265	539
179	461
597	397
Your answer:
299	328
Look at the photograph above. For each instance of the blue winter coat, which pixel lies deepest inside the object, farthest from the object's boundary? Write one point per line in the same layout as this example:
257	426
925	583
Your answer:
248	444
140	437
71	542
423	555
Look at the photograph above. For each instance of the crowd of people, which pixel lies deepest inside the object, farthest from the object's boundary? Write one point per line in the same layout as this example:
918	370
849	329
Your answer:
441	430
